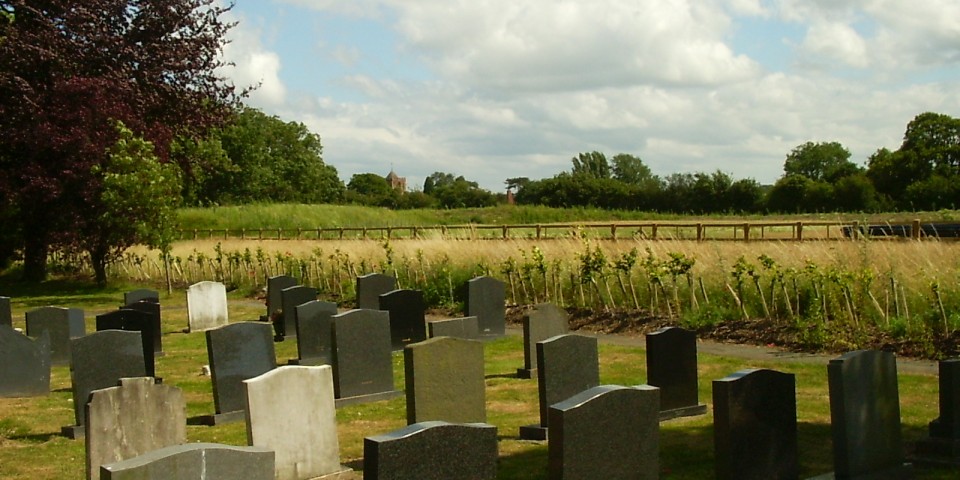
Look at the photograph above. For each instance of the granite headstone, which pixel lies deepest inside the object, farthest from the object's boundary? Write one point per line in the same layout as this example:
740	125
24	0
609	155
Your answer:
134	321
672	367
568	364
465	327
544	321
407	316
237	352
195	461
206	306
275	286
486	300
370	287
362	357
290	298
432	451
6	315
24	364
942	446
314	333
141	295
61	324
152	308
444	381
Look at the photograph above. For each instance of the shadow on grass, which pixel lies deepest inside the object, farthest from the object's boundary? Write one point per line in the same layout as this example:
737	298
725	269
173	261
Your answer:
36	437
500	375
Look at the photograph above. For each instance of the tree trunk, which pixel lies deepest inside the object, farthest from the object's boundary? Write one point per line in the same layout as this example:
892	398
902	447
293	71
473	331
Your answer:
35	260
98	259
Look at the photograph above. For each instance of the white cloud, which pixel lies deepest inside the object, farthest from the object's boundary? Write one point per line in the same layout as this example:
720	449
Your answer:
254	66
835	42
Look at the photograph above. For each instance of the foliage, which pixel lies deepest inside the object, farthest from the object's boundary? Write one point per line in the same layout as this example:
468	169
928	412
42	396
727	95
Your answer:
593	164
631	170
826	161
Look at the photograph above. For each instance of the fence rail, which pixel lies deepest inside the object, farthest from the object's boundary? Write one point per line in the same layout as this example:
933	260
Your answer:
698	231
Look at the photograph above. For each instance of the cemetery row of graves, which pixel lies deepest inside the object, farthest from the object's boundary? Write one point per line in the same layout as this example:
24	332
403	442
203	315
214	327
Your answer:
133	422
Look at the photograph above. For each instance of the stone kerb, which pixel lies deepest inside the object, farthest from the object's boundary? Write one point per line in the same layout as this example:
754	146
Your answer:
195	461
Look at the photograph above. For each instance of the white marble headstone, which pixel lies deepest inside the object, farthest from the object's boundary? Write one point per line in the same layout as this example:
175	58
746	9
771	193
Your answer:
206	306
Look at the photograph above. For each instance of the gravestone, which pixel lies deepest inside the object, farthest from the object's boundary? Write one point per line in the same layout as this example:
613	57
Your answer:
206	306
141	295
290	298
432	451
486	300
942	446
152	308
362	357
672	367
134	321
137	417
865	416
607	431
304	433
195	461
236	352
407	316
61	324
568	365
275	285
465	327
544	321
314	332
100	360
444	381
755	426
6	316
24	364
370	287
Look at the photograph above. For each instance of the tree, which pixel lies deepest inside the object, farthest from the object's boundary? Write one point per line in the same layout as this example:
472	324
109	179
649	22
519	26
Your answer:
370	189
827	161
460	193
593	164
789	194
68	72
935	138
437	179
631	170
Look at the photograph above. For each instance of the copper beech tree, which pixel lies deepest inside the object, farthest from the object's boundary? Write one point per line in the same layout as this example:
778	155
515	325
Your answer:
70	72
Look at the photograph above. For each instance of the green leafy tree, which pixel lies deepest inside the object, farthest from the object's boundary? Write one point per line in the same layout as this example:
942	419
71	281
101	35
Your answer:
788	195
744	196
935	138
827	161
371	189
462	193
593	164
855	193
630	169
437	180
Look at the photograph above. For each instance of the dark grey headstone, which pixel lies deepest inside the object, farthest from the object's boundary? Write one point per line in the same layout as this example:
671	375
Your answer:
465	327
865	415
62	324
672	367
407	316
313	332
362	357
141	295
6	315
290	298
544	321
370	287
237	352
152	308
943	445
275	285
607	431
134	321
432	451
195	461
568	365
755	426
444	381
486	300
100	360
24	364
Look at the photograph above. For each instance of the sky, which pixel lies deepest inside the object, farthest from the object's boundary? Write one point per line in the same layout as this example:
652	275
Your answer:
496	89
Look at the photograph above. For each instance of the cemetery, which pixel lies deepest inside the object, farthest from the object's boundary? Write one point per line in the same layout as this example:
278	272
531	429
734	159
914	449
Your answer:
392	391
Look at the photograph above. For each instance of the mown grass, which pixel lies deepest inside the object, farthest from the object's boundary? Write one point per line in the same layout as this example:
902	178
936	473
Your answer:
31	448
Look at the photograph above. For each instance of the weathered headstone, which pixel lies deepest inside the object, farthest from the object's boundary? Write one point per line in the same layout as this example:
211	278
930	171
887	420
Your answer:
755	426
465	327
568	365
62	324
408	323
942	446
152	308
275	285
486	300
444	381
195	461
303	433
314	334
24	364
141	295
206	306
672	367
237	352
134	321
100	360
865	416
544	321
6	316
134	418
607	431
362	357
432	451
370	287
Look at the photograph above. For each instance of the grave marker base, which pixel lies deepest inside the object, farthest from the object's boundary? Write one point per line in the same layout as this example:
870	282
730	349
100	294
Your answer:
221	418
308	362
527	373
73	432
533	432
902	473
373	397
940	452
690	411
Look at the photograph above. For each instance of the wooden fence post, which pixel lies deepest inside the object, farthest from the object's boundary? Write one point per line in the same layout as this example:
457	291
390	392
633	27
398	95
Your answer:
855	234
799	231
699	232
613	232
653	231
505	232
746	232
915	229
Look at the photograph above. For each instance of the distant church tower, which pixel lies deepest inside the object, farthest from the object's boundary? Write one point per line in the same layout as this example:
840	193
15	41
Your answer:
397	182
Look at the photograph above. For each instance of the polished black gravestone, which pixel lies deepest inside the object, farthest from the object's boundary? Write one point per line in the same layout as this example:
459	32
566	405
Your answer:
24	364
313	332
432	451
290	298
407	316
6	316
100	360
672	367
444	381
486	300
236	352
465	327
370	287
865	416
195	461
568	365
942	446
62	324
607	431
755	426
134	321
152	308
544	321
275	286
141	295
362	357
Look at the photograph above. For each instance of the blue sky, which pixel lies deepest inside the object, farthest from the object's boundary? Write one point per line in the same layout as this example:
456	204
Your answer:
494	89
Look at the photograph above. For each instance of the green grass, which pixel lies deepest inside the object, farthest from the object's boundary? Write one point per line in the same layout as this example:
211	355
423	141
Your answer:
31	448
